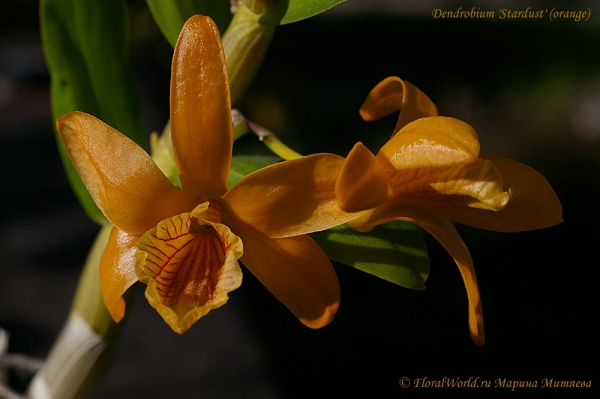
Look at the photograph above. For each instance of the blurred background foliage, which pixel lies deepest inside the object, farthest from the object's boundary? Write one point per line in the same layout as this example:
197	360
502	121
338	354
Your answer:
531	89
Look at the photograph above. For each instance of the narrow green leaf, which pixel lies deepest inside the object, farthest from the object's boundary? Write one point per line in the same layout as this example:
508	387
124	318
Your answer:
394	252
288	11
170	15
244	165
85	44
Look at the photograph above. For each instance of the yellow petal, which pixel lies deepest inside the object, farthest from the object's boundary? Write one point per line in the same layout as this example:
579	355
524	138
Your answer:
362	183
474	185
290	198
431	142
446	234
201	109
393	94
189	265
296	271
538	206
121	177
117	271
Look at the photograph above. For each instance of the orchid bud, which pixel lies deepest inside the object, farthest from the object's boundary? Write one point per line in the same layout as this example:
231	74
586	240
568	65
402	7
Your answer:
245	43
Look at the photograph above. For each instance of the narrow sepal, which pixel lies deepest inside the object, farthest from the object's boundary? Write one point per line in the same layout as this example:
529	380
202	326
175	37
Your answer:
445	233
201	127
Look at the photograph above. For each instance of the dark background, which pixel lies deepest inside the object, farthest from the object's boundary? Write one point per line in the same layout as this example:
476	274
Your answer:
530	88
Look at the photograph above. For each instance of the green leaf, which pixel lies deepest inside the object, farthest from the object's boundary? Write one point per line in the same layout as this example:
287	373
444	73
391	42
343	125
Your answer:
170	15
244	165
288	11
85	44
394	252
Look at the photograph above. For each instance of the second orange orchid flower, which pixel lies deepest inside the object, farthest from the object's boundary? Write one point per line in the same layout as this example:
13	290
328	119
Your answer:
430	173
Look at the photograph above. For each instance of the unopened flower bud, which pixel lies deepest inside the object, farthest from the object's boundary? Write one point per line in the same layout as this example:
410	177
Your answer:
245	42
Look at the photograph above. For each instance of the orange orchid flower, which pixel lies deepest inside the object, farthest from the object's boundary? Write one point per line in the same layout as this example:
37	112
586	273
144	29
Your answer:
185	244
430	173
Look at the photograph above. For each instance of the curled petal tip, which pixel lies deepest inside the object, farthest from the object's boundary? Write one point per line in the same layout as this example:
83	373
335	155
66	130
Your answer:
393	94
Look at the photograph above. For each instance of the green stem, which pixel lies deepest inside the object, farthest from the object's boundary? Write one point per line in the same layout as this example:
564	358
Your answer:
241	126
81	354
271	140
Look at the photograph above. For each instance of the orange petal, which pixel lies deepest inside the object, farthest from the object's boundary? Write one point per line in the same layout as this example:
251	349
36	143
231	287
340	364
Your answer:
393	94
189	265
363	183
117	271
474	185
290	198
437	141
443	231
538	206
121	177
201	109
296	271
